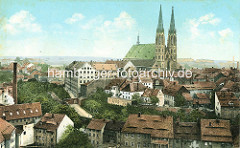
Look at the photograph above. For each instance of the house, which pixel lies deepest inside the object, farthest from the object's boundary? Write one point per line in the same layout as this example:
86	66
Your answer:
115	85
130	89
95	130
105	71
112	132
200	87
171	91
6	97
201	100
147	131
148	82
49	130
7	134
148	93
186	134
226	104
22	116
216	133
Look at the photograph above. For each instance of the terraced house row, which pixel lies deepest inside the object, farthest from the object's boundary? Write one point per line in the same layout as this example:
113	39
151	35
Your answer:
156	131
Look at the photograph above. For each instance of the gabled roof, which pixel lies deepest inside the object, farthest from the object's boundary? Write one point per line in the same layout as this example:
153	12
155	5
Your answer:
6	130
173	89
150	92
141	51
21	111
215	130
228	99
154	125
115	82
97	124
134	87
108	67
148	63
50	122
114	125
187	130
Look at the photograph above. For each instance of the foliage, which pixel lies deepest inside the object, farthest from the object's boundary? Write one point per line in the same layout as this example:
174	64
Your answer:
154	100
71	113
74	138
179	100
137	98
5	76
44	67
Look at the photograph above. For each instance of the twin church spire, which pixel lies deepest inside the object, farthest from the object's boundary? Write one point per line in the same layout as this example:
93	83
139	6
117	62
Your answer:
160	28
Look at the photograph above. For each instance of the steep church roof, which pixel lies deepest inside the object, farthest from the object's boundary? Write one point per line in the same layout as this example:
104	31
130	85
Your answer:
141	51
160	21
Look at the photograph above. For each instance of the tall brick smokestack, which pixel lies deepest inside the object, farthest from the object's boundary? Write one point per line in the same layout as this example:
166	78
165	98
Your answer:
15	82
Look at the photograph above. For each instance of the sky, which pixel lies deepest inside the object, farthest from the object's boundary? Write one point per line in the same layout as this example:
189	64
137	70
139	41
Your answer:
205	29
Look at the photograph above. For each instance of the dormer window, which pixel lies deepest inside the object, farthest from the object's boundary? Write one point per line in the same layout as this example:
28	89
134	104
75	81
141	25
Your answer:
37	110
10	113
4	114
31	111
17	112
24	112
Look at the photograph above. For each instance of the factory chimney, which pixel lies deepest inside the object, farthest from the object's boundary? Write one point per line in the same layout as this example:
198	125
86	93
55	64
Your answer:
15	82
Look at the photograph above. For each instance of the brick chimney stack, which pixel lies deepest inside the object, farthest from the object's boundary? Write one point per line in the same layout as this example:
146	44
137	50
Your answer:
15	82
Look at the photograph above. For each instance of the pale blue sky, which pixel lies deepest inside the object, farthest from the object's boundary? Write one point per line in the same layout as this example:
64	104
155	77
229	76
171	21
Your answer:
205	29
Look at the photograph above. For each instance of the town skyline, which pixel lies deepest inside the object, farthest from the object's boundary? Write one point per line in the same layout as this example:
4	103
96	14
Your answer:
83	32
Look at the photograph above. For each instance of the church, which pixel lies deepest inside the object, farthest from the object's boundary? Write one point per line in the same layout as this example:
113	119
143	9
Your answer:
161	56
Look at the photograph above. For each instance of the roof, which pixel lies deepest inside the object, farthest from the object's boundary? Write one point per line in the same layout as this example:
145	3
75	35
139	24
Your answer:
134	87
201	86
187	96
228	99
6	130
114	125
154	125
50	122
173	89
202	96
187	130
150	92
119	63
215	130
201	101
97	124
141	51
20	111
105	67
143	63
115	82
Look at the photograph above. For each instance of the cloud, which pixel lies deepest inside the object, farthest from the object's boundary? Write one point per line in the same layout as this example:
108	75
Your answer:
92	23
225	34
22	21
209	19
195	23
114	37
76	17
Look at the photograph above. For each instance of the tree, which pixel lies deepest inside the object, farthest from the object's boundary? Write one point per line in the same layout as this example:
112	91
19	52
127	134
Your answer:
74	138
136	97
154	100
179	100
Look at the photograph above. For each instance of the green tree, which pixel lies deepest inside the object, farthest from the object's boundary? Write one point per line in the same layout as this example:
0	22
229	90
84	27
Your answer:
74	138
179	100
154	100
137	98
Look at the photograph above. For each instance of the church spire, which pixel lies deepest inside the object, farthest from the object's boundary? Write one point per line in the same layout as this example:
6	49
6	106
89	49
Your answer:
172	23
138	42
160	21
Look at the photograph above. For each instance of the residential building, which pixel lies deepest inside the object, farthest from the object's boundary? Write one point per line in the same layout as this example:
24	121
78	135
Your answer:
226	104
95	130
147	131
148	93
7	135
49	130
201	100
130	89
216	133
6	96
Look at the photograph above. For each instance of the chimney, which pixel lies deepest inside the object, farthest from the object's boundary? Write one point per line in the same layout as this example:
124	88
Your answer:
139	114
15	82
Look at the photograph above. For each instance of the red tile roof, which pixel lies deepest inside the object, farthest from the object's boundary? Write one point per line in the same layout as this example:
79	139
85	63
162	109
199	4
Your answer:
154	125
187	130
6	130
50	122
21	111
150	92
97	124
215	130
228	99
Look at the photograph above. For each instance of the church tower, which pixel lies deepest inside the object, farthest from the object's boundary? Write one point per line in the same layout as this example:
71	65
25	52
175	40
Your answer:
171	52
160	43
